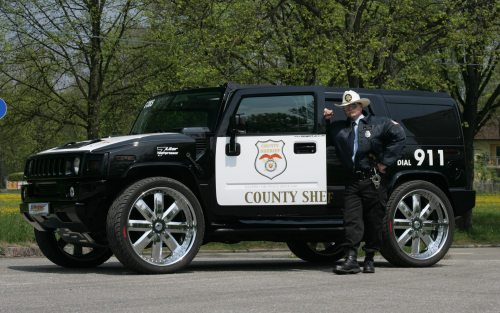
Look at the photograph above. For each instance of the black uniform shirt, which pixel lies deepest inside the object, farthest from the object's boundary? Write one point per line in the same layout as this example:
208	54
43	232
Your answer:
380	140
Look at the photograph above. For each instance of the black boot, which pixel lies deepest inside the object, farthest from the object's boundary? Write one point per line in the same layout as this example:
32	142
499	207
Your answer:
350	265
369	264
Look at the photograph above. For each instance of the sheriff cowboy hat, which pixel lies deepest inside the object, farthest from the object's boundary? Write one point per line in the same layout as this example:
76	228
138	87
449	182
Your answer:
353	97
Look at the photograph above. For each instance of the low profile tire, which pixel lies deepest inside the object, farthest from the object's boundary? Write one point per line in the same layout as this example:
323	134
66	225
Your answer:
155	226
418	226
67	254
316	252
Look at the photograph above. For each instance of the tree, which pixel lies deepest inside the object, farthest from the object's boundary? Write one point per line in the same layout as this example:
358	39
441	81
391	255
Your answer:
377	40
254	42
470	67
66	62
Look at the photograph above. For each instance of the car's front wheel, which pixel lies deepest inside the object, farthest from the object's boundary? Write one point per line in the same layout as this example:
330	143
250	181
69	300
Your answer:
418	226
156	225
72	255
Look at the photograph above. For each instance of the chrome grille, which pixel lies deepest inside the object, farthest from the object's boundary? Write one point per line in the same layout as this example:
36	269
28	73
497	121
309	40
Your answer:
53	166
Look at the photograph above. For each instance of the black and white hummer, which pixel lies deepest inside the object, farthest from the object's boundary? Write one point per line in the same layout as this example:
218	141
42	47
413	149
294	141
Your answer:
239	163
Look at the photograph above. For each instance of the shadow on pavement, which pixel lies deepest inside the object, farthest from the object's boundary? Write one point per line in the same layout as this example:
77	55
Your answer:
211	265
108	268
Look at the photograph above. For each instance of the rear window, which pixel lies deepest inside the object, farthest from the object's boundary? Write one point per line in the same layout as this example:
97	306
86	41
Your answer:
424	120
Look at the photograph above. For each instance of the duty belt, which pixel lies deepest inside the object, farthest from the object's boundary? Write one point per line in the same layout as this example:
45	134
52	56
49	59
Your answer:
371	174
363	174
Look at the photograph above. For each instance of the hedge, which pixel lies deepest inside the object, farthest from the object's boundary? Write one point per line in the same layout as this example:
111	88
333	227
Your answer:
18	176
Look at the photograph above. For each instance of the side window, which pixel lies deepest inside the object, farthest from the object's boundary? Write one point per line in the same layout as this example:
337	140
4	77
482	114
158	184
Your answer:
416	119
338	113
277	114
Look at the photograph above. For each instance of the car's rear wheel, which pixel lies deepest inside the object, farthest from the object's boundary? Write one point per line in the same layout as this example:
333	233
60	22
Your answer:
418	226
67	254
156	225
316	251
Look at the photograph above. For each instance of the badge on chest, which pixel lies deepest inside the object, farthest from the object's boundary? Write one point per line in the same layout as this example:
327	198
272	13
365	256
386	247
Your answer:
367	130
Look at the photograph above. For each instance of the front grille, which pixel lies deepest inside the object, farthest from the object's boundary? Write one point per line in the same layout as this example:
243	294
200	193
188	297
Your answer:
53	166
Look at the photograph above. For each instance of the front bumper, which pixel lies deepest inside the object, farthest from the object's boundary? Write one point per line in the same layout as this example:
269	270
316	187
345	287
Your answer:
462	200
84	212
61	215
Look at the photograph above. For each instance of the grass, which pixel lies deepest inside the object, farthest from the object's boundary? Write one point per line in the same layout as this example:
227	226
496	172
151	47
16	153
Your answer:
244	246
485	220
13	227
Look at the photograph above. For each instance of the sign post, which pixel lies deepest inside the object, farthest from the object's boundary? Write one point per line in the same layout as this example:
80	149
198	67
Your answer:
3	108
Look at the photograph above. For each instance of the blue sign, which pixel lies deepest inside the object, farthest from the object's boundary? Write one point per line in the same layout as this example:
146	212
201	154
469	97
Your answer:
3	108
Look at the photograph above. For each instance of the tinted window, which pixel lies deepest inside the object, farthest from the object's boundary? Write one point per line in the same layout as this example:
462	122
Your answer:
277	114
173	112
422	120
338	113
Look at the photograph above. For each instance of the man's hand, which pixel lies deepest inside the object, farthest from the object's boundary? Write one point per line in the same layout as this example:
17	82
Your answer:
381	168
327	114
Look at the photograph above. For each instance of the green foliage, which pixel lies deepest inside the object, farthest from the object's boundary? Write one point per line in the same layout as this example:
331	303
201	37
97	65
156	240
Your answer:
244	246
17	176
68	81
481	170
486	221
13	227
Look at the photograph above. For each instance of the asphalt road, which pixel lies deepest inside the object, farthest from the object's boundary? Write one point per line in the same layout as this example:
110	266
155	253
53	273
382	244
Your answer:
467	280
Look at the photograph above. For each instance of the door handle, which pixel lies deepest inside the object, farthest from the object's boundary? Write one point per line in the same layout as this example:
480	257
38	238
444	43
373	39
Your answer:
233	150
304	147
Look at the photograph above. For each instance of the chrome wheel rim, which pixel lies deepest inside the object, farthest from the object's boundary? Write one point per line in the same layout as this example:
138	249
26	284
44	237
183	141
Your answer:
420	224
161	226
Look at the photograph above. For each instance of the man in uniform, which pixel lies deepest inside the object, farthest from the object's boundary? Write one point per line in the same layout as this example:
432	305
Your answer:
368	145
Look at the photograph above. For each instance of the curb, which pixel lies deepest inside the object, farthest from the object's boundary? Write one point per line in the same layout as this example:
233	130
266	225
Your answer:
20	251
476	246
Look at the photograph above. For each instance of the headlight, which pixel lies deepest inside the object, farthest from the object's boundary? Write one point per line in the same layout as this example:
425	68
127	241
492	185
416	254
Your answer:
76	165
93	165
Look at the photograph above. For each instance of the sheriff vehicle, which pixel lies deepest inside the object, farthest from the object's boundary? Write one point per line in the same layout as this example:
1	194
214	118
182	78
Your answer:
238	163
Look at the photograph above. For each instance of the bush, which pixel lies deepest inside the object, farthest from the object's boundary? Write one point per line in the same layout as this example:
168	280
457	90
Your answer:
18	176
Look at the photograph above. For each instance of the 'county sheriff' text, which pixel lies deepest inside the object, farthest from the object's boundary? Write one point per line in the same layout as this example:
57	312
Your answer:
281	197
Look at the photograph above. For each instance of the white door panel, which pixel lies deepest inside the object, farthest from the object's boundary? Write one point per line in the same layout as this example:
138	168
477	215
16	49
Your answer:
269	172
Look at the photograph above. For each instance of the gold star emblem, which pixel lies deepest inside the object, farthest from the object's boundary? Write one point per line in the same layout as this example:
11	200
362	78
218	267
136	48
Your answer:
348	97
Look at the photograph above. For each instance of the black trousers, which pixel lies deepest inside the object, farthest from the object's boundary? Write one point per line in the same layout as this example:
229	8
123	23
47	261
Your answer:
364	209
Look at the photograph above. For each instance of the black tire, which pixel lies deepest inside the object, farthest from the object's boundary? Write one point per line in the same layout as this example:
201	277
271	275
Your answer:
155	241
316	252
419	216
70	255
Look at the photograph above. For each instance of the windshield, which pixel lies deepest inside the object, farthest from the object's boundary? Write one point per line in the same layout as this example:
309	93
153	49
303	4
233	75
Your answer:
175	111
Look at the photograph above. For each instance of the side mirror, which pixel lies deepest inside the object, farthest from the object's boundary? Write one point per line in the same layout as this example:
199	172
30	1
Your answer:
240	124
233	148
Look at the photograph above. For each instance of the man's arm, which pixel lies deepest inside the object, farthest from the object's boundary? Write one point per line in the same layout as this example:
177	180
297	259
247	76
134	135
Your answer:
394	140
